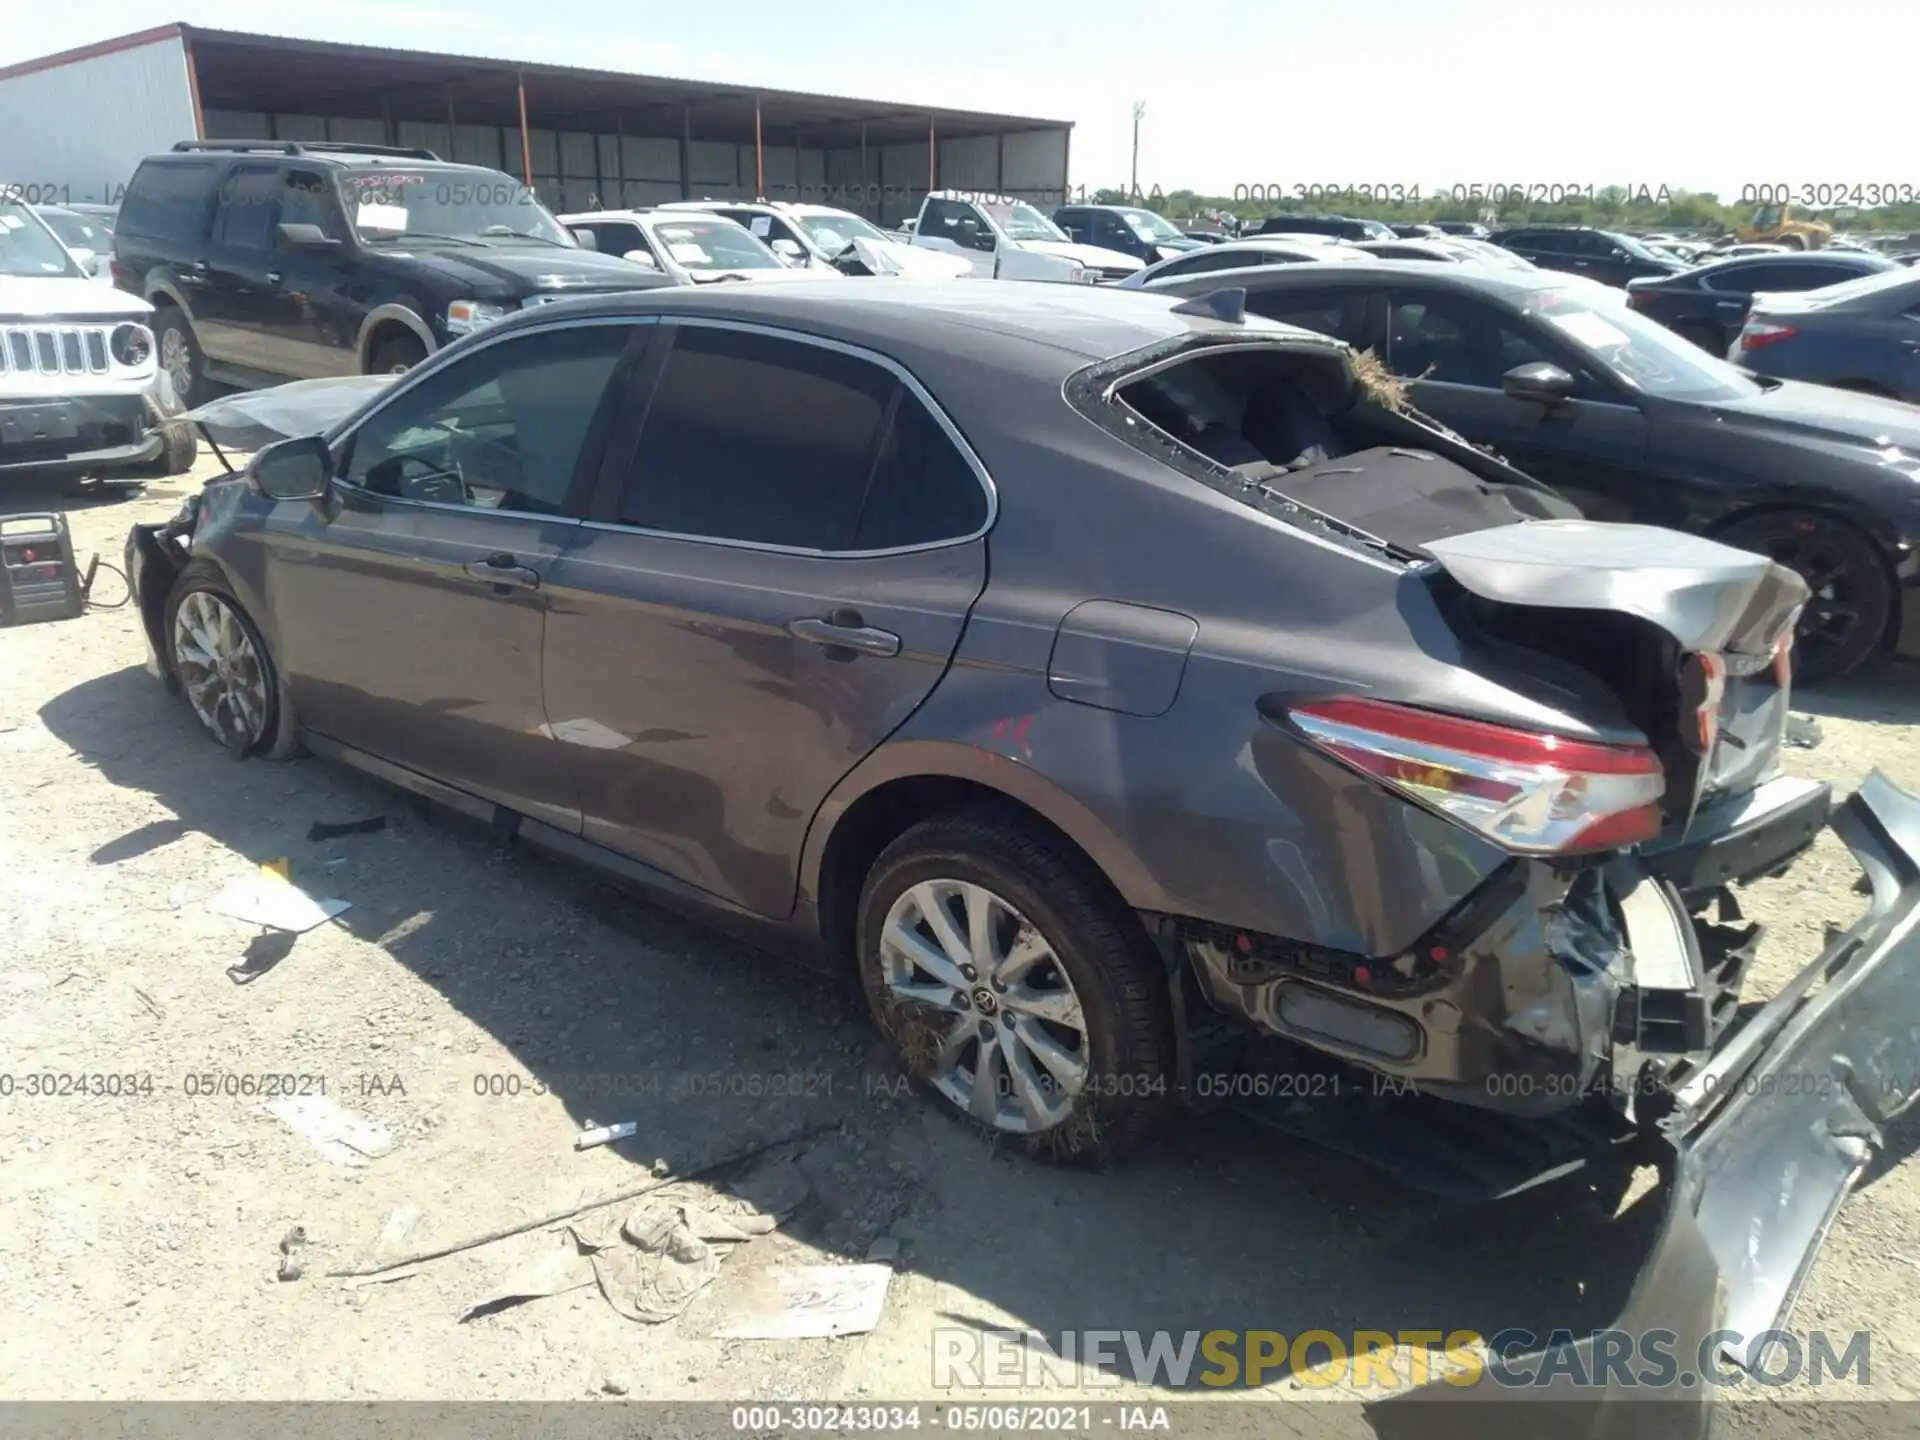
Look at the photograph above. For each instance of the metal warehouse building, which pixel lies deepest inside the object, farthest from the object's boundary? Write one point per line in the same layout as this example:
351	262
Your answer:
73	126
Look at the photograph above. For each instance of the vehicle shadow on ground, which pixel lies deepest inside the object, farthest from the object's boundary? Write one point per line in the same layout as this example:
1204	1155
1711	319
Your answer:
1218	1226
1884	693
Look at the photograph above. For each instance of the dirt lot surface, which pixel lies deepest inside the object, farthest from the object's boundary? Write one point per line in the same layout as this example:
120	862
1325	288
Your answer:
140	1233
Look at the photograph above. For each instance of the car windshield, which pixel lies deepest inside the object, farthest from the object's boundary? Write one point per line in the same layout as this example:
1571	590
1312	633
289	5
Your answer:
834	233
1640	352
77	232
27	247
1149	226
1020	221
712	245
479	207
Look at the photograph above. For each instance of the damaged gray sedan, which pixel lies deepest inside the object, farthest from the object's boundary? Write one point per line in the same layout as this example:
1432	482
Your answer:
1142	702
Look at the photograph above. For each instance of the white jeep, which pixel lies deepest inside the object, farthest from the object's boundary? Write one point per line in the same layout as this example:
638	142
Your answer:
78	376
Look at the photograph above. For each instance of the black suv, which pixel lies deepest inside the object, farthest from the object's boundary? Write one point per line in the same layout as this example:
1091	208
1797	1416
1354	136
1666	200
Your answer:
1130	229
269	260
1338	226
1606	255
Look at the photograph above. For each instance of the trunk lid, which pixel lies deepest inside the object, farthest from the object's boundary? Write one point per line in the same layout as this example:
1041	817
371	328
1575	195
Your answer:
1690	635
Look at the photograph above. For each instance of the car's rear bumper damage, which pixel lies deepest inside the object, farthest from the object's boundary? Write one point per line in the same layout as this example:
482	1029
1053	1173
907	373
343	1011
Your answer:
1546	991
1765	1142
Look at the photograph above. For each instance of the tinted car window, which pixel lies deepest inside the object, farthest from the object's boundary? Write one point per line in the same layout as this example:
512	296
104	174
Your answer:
617	237
500	430
755	438
950	220
307	200
168	201
923	490
1340	313
1550	242
1792	277
1456	341
1231	260
249	202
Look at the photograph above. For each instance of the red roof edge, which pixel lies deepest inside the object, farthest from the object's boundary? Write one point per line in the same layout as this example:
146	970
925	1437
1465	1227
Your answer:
89	52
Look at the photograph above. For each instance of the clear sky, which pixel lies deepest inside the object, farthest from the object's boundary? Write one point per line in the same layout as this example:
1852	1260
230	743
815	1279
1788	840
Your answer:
1700	94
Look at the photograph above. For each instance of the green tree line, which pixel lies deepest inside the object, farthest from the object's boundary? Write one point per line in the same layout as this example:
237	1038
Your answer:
1614	207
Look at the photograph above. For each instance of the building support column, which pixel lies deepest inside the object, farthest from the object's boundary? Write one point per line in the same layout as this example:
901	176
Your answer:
526	140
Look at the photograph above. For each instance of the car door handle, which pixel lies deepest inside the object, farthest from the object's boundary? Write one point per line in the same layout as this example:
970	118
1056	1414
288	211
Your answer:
504	573
844	631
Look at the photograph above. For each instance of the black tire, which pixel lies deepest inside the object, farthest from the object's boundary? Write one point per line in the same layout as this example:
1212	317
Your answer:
1097	940
1704	333
279	732
171	321
1853	591
179	448
396	356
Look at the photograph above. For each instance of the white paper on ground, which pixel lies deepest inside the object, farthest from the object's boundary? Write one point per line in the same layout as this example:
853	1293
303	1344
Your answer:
339	1134
264	900
809	1301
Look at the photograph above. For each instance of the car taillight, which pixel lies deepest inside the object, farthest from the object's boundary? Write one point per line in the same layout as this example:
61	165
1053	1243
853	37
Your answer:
1761	333
1526	791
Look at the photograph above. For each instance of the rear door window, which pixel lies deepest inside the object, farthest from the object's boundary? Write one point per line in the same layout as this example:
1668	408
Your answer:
168	200
249	207
758	439
923	491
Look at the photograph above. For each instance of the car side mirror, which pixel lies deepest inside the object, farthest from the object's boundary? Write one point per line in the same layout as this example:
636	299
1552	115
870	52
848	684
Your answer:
789	250
585	238
641	257
297	469
87	260
1539	382
297	236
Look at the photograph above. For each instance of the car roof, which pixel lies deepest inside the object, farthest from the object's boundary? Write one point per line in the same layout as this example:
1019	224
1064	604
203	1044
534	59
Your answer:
986	324
1510	285
341	157
638	216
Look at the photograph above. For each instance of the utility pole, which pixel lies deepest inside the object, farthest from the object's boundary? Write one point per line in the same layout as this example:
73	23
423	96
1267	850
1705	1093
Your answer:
1133	193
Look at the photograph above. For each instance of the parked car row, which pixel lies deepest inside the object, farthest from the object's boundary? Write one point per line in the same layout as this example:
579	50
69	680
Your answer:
1124	686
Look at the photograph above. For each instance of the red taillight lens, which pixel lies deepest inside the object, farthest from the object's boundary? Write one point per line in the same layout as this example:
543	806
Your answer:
1761	333
1529	792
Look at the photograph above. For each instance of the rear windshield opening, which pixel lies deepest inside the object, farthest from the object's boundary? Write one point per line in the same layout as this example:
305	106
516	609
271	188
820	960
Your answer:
1250	407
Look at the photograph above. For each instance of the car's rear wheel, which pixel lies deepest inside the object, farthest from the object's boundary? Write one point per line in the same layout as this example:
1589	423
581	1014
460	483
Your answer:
1018	987
397	356
223	666
180	357
1853	594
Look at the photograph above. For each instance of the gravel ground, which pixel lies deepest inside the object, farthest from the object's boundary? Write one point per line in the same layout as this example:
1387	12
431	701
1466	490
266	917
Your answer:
140	1232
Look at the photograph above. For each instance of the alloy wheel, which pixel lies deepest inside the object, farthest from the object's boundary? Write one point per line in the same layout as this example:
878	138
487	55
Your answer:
177	360
1015	1052
1831	612
220	669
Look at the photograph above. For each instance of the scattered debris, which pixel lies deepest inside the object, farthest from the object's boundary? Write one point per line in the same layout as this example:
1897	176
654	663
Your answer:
293	1253
272	900
548	1273
394	1233
630	1192
809	1301
602	1134
884	1251
337	1133
263	952
1803	731
320	830
616	1385
659	1167
153	1007
675	1248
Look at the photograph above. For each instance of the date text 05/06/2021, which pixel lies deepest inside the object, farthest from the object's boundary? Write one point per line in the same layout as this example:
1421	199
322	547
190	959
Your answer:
34	1085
